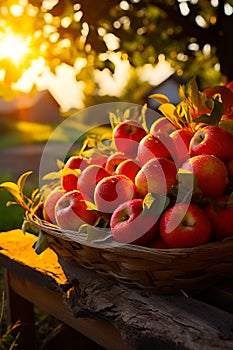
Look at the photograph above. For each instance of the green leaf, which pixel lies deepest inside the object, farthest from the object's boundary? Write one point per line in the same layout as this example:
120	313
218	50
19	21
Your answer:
187	178
215	115
25	226
41	244
187	186
226	125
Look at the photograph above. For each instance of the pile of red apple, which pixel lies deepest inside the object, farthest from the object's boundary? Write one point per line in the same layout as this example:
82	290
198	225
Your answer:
166	186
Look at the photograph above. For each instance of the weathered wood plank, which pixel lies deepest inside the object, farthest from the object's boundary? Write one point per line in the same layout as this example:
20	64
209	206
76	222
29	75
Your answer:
145	321
101	332
162	321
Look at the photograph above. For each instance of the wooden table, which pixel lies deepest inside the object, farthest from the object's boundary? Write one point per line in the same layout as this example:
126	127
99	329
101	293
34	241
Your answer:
112	315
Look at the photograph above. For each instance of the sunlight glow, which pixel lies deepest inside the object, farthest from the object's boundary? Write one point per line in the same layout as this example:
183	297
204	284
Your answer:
13	47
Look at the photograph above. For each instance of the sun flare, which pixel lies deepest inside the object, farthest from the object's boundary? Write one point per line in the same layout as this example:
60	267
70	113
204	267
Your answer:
13	47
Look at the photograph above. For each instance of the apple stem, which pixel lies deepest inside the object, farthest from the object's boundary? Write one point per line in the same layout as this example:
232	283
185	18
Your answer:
188	224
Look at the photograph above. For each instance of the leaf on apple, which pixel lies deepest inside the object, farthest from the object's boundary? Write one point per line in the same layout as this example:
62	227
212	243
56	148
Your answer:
68	171
155	204
60	164
226	125
187	186
215	115
90	205
53	175
95	234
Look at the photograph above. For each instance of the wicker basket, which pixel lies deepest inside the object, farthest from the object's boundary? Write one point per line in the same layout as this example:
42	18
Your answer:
162	271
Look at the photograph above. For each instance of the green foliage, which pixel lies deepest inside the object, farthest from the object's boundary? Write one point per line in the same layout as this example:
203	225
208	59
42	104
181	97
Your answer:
10	217
66	31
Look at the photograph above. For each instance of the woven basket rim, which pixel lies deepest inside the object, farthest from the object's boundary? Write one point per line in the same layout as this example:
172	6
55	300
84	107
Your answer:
163	271
111	245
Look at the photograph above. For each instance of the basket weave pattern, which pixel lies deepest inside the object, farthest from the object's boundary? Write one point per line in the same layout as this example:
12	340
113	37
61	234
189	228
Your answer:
159	270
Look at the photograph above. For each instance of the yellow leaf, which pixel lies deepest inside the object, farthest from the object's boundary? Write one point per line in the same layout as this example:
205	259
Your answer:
22	179
52	176
126	114
160	98
12	188
169	111
60	164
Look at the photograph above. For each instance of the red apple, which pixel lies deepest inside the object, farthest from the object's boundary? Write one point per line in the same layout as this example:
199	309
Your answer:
212	140
184	225
157	243
221	218
71	212
113	161
226	117
98	159
154	146
127	135
89	178
226	96
162	124
181	139
210	172
229	85
129	225
69	178
113	190
226	123
50	203
230	170
156	176
129	168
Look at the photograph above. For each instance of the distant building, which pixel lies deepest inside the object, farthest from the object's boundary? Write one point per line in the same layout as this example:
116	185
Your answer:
43	108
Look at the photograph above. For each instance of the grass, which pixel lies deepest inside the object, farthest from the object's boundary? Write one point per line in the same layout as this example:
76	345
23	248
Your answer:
21	133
